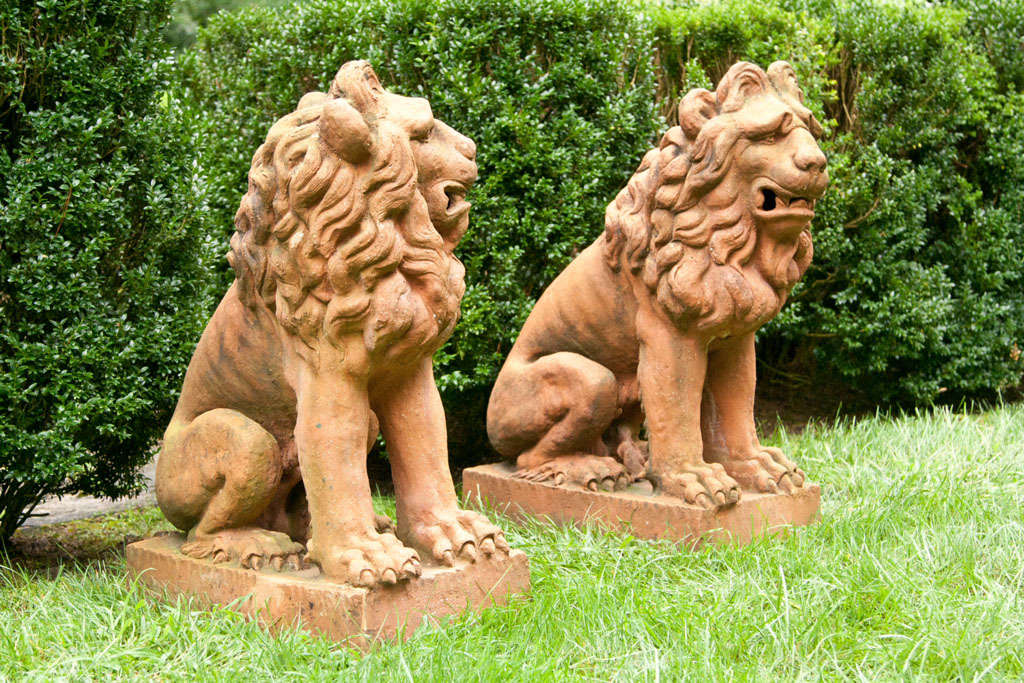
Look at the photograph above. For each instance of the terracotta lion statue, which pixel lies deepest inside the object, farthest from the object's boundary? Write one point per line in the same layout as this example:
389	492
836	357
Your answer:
653	324
345	285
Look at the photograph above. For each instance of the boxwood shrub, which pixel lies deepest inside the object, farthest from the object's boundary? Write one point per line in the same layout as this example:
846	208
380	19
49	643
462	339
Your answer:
102	273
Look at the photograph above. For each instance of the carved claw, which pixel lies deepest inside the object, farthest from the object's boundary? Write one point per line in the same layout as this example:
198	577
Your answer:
277	562
383	524
455	534
252	547
366	578
592	472
468	551
501	543
766	469
412	568
363	558
798	477
706	485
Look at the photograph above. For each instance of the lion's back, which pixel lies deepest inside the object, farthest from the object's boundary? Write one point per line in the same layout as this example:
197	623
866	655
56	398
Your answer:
588	309
238	364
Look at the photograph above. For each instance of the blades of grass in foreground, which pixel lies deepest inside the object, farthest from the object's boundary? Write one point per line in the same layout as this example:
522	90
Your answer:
916	570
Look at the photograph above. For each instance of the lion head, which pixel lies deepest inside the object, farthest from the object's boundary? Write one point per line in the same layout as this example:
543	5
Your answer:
354	185
716	219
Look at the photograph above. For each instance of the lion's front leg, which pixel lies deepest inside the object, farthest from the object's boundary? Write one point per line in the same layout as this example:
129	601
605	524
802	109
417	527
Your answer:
730	434
333	418
671	375
412	420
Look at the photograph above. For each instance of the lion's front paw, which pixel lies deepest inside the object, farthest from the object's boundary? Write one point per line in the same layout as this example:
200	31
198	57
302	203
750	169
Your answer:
707	485
251	546
458	533
365	559
767	470
590	471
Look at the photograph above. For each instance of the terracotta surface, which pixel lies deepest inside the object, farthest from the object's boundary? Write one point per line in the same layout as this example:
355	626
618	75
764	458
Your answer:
639	511
638	360
336	610
345	286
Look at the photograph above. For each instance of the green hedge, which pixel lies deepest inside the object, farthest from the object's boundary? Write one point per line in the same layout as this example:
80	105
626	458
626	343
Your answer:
916	288
101	270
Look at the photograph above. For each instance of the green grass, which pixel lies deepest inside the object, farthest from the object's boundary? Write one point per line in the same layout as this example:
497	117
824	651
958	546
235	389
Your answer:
915	571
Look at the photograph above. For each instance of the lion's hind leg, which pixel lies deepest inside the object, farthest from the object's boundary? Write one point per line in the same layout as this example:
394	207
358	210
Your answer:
548	415
215	477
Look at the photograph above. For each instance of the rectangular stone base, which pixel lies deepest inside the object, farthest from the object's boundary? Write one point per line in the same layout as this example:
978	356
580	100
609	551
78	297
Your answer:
335	610
642	513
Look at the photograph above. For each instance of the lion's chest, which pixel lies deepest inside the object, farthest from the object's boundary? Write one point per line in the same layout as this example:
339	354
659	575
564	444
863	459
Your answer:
410	318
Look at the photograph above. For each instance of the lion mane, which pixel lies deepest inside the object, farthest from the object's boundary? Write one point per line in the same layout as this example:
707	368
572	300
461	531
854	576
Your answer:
332	208
693	258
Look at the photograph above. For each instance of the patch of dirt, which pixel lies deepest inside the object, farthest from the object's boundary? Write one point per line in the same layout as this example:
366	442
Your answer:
54	510
46	548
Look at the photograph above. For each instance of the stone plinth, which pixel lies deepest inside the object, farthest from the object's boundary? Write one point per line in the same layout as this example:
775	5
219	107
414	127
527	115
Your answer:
335	610
642	513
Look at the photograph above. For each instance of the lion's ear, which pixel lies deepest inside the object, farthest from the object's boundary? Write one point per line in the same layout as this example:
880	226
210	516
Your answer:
741	82
312	99
783	77
695	110
343	129
357	81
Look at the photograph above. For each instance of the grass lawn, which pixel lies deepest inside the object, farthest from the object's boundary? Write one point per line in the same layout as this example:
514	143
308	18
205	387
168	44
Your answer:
915	571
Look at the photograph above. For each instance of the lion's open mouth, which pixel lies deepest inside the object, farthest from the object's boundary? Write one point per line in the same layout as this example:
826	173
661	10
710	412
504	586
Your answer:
772	200
457	204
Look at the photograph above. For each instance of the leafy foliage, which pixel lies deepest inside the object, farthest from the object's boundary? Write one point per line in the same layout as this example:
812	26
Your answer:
101	269
188	16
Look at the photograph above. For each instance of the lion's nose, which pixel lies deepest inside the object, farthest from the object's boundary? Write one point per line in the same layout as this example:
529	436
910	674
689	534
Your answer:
809	158
466	146
462	144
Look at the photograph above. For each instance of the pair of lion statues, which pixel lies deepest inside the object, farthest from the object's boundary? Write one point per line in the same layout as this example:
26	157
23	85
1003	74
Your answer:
346	284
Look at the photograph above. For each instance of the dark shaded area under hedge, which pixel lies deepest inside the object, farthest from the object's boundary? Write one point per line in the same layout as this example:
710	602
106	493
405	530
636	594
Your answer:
916	288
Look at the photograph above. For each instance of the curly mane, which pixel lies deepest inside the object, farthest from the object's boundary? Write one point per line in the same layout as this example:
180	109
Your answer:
692	257
332	208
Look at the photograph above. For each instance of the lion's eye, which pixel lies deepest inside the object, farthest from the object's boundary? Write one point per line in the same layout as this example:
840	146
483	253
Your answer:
421	133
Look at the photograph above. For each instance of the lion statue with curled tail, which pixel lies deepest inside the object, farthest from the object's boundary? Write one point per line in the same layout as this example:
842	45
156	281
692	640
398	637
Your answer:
345	286
652	326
